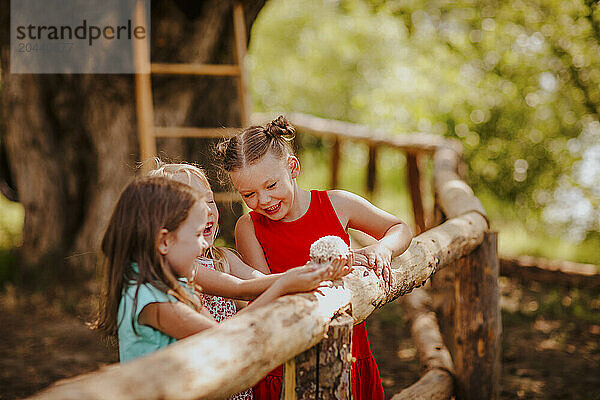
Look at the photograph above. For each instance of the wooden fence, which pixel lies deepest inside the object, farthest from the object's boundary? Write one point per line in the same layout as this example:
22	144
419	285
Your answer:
237	353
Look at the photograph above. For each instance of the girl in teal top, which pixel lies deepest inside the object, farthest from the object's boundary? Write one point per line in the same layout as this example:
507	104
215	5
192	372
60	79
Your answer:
153	238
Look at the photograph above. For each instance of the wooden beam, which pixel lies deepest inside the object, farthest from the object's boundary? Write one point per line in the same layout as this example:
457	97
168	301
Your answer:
224	197
473	325
527	269
323	371
195	69
417	142
426	332
239	26
143	94
453	195
434	385
372	170
335	163
191	132
437	382
335	360
414	184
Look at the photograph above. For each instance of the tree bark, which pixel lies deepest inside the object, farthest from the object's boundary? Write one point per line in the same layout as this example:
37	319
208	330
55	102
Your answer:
71	143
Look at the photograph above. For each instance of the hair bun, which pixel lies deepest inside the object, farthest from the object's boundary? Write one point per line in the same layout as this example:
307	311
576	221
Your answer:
221	148
280	128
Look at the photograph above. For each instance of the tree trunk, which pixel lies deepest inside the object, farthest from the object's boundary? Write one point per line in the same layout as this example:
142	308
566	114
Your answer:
70	140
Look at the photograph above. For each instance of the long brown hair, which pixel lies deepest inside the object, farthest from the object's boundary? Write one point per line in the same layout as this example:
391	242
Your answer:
145	206
254	142
189	172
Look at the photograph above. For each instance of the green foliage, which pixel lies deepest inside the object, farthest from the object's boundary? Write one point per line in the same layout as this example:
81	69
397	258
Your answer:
516	81
11	224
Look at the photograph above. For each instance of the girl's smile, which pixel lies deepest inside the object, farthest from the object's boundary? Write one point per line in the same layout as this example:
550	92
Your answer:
268	187
208	230
181	247
273	209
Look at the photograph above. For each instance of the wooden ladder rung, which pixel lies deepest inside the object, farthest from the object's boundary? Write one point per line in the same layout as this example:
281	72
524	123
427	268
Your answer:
191	132
227	197
195	69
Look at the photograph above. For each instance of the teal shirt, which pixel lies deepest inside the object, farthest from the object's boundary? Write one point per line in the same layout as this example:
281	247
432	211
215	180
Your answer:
147	339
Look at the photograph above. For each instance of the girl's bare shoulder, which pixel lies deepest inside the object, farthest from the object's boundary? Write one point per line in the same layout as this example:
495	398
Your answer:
343	198
244	225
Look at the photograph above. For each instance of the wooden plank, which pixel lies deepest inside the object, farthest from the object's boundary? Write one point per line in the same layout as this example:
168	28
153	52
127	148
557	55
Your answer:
227	197
414	183
372	170
143	94
239	26
527	269
288	389
336	154
193	132
415	142
194	69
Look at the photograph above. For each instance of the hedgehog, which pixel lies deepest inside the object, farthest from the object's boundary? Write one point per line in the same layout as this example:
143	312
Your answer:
327	249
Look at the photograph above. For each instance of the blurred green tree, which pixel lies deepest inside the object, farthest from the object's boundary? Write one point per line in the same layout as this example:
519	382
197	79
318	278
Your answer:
518	82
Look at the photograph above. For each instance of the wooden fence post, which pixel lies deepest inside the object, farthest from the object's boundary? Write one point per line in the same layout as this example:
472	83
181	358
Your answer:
372	171
336	151
414	183
468	301
323	371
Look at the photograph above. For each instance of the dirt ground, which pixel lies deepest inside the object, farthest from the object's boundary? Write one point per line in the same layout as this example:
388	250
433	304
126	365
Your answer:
550	349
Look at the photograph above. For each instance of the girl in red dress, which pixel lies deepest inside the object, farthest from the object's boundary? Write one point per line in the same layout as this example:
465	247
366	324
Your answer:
285	219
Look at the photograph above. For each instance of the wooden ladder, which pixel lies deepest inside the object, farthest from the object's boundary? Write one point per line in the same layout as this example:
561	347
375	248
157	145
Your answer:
147	131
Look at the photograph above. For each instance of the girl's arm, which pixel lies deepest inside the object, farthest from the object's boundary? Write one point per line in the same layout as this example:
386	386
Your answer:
393	235
239	268
180	321
248	246
301	279
175	319
226	285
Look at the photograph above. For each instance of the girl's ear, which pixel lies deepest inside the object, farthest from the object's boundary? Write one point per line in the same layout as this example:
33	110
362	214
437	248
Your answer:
294	166
163	242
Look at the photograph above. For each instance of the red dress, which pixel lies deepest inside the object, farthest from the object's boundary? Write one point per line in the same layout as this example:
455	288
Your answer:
287	245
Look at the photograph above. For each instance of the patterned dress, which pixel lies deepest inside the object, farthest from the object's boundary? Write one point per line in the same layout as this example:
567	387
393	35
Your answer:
221	308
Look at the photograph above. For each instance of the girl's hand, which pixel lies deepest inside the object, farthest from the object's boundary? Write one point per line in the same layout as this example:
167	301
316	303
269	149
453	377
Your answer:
312	276
377	257
341	266
304	279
